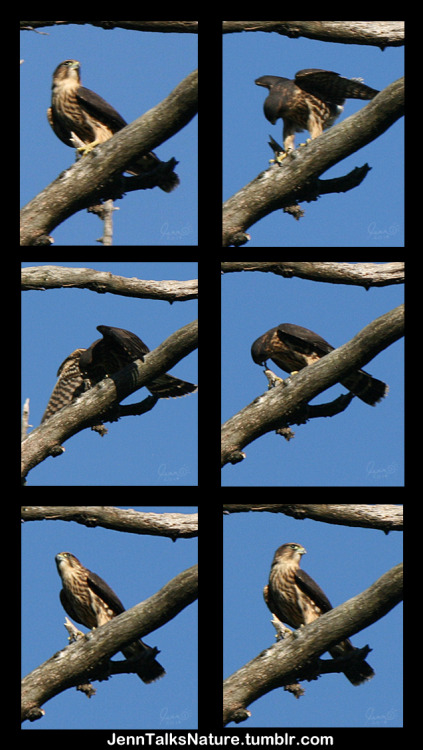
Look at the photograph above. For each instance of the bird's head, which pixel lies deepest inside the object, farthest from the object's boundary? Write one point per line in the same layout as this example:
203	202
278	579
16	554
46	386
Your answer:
67	70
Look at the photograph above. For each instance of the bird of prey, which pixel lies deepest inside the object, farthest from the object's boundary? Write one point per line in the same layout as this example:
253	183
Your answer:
293	347
88	600
312	101
84	368
82	119
297	600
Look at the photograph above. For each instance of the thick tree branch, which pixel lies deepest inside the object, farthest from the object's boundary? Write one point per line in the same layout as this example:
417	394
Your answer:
172	525
358	274
385	517
376	33
56	277
178	27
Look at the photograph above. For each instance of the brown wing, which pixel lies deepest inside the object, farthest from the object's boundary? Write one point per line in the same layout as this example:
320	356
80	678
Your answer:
99	110
331	87
127	342
312	590
120	347
290	347
104	592
151	670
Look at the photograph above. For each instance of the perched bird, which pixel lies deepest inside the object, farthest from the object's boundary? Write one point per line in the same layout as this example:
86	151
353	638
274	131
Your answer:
297	600
312	101
82	119
119	348
84	368
88	600
293	347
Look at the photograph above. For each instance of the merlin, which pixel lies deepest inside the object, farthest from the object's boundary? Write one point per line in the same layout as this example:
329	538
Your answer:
293	347
83	119
297	600
88	600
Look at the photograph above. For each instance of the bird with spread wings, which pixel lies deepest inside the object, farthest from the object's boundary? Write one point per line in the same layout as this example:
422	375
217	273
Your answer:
297	600
83	119
84	368
293	347
312	101
88	600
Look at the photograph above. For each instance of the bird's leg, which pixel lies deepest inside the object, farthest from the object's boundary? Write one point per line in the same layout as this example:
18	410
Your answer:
272	378
281	630
74	633
88	147
278	158
82	148
278	151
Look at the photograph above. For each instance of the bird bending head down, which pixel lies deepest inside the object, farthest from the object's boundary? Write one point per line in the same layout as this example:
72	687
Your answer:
312	101
293	347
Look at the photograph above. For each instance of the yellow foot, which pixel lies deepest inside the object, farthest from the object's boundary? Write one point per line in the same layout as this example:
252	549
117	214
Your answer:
278	158
272	378
84	150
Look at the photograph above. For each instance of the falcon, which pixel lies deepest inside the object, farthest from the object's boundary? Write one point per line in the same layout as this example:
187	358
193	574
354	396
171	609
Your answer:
293	347
82	120
312	101
84	368
297	600
88	600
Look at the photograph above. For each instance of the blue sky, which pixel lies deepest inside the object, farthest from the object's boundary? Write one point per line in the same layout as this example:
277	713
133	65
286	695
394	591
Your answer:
135	567
158	448
133	71
362	446
368	216
343	561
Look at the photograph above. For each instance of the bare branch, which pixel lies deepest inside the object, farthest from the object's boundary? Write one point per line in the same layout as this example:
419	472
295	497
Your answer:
384	517
25	419
172	525
56	277
376	33
178	27
357	274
